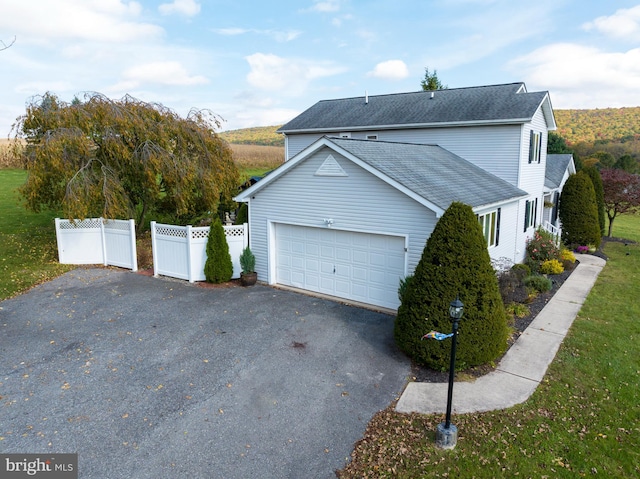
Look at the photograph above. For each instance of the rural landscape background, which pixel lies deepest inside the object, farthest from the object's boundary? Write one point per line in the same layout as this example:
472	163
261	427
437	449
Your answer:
581	422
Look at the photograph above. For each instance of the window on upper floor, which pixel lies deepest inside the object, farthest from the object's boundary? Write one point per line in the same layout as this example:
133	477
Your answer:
530	214
490	223
535	144
372	137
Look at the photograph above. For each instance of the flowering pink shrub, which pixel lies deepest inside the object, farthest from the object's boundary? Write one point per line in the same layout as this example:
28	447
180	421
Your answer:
582	249
541	248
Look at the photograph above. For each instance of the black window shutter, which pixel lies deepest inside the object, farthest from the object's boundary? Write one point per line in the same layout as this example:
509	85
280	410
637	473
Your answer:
531	146
535	213
498	227
526	215
539	149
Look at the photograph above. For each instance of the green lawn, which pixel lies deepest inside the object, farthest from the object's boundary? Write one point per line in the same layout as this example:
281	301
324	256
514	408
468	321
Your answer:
28	251
583	421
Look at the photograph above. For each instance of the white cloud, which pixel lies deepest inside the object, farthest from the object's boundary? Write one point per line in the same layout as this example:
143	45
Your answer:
625	23
390	70
278	35
188	8
583	77
326	6
165	73
288	76
44	21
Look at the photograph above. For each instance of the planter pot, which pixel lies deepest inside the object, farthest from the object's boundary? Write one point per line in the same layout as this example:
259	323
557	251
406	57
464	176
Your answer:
248	279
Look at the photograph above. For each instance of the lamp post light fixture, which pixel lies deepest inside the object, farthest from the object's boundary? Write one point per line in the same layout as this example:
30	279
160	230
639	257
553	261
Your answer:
447	433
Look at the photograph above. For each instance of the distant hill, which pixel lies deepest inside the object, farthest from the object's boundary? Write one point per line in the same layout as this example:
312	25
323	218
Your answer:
575	126
604	125
259	135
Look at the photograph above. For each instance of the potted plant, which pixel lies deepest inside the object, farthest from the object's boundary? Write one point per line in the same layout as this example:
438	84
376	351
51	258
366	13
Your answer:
248	276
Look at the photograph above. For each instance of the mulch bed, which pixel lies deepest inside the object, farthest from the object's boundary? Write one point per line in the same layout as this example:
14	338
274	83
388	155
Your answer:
424	374
427	375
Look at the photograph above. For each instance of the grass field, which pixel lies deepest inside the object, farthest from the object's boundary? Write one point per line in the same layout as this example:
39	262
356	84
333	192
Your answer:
583	420
28	251
256	160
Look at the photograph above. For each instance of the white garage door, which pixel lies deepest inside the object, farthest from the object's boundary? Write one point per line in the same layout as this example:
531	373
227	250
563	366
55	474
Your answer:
357	266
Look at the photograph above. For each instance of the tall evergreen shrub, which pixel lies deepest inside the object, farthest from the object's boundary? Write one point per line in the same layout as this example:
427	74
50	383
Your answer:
218	268
578	211
598	188
455	261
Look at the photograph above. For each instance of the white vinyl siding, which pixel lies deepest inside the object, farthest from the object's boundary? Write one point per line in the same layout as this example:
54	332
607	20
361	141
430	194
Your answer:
493	148
358	202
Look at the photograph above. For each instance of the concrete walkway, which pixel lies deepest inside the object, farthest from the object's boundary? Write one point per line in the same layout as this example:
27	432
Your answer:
522	368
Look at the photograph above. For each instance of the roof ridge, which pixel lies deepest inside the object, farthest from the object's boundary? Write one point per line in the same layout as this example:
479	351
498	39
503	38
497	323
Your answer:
417	92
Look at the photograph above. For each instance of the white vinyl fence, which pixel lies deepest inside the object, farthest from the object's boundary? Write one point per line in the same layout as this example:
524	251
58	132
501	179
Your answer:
180	251
97	241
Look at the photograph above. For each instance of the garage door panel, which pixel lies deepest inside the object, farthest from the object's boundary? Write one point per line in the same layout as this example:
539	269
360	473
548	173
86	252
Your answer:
312	265
327	251
343	254
327	267
352	265
360	257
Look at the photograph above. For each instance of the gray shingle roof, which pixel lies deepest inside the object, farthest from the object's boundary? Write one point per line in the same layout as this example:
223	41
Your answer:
556	167
432	172
483	104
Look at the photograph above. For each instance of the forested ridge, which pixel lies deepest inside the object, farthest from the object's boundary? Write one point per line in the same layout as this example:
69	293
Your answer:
613	130
607	124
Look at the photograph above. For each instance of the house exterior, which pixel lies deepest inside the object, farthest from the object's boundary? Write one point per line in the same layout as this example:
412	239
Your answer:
559	167
366	179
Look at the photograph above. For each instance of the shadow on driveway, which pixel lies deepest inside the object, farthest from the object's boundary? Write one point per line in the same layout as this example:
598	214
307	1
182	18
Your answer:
152	378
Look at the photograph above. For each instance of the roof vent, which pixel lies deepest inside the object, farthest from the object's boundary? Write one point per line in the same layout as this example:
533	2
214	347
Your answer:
433	93
366	97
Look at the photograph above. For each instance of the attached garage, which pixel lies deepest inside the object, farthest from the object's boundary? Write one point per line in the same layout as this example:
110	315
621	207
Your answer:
363	267
350	218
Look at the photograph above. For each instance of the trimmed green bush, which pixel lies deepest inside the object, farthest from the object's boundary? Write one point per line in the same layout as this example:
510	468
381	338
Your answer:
243	214
455	262
578	212
218	268
598	188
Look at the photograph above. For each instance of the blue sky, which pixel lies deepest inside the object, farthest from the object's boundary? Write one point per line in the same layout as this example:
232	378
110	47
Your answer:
258	63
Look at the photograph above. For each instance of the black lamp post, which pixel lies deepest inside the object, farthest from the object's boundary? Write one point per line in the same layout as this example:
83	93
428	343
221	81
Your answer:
447	433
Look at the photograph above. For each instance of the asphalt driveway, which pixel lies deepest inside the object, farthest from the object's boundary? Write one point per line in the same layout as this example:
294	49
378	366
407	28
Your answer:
155	378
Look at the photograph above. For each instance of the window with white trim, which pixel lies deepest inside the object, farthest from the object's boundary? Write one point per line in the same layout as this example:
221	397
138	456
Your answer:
535	144
490	223
372	137
530	213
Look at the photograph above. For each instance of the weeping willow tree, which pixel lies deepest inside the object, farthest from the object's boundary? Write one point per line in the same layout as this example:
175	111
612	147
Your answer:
123	158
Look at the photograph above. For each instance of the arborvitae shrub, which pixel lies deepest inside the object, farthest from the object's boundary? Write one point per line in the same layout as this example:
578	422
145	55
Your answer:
218	268
598	188
578	212
455	262
243	214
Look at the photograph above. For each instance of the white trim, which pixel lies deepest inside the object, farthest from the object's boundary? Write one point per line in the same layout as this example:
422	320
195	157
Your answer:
317	145
271	242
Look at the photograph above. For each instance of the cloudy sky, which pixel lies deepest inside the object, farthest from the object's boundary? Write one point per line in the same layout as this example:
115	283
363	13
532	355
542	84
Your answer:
258	63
